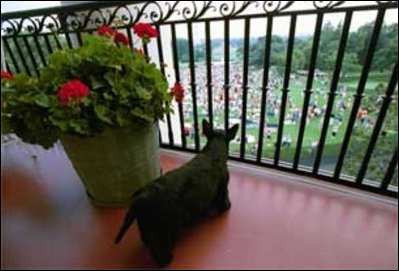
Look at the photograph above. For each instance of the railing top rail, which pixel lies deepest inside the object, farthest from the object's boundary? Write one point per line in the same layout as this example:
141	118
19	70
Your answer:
64	9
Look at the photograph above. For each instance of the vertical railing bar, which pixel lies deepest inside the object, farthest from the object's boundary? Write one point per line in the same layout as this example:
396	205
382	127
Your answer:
68	39
8	67
57	41
226	72
265	82
160	135
48	45
209	70
39	49
162	67
21	56
390	171
378	125
14	61
359	92
31	56
193	84
308	91
177	76
244	87
285	89
129	36
145	49
79	38
333	89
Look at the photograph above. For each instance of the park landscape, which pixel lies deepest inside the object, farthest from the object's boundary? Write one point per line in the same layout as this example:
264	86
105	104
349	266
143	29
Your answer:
380	73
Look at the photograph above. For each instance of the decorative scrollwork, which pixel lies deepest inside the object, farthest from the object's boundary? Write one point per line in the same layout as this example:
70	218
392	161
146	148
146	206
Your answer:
123	14
276	6
225	9
190	13
230	9
75	21
158	12
327	4
95	18
155	15
9	28
49	23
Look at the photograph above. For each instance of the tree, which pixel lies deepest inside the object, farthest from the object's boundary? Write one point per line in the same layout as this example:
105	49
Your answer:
182	50
355	53
387	140
199	53
350	63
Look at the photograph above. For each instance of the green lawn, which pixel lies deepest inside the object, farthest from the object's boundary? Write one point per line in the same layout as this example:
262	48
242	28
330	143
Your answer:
312	131
313	127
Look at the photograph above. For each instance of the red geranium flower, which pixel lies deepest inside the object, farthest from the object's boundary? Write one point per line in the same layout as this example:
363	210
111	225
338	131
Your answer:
106	31
72	90
145	31
120	37
6	75
110	32
177	91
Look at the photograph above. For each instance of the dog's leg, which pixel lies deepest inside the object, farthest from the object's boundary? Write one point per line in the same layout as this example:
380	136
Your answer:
160	229
222	201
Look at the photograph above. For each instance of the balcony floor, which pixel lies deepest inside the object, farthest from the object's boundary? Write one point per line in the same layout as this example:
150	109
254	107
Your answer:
277	221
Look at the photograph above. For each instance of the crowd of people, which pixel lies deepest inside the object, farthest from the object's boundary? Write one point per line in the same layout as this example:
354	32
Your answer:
293	114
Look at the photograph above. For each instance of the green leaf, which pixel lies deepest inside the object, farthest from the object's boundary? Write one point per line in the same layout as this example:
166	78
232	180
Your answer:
96	84
86	101
79	126
102	112
116	67
123	93
110	78
42	100
62	124
107	96
143	93
121	117
138	112
5	125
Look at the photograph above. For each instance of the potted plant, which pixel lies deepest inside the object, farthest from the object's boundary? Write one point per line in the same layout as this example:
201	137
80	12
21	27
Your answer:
103	101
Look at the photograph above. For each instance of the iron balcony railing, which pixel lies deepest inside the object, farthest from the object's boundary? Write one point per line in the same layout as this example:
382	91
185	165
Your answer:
28	36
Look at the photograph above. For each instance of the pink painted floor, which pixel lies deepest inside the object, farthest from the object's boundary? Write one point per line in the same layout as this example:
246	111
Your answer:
276	222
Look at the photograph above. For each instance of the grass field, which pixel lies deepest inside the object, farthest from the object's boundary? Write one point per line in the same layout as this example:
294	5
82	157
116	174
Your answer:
312	132
313	126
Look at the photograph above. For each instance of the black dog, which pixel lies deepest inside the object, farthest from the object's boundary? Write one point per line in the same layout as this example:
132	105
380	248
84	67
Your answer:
182	197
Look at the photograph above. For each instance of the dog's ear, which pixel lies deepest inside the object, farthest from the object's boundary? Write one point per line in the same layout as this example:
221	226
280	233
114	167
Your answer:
206	128
231	133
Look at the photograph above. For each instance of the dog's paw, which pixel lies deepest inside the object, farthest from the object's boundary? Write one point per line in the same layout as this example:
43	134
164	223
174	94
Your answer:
225	207
163	260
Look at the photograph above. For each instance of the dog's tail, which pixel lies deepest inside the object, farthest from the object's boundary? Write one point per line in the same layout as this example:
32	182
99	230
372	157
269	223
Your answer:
129	219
